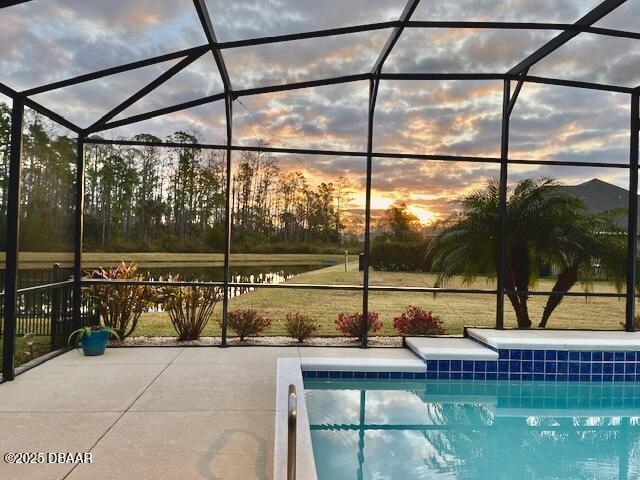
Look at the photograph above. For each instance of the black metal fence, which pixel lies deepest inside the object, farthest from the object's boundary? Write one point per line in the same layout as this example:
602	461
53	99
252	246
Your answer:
44	307
37	308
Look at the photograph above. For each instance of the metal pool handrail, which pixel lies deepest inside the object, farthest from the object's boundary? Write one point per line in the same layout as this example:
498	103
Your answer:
292	418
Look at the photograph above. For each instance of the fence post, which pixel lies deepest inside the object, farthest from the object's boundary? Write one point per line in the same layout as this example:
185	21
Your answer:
55	308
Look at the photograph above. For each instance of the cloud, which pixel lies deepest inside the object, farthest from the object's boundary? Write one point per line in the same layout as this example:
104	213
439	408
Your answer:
446	50
563	123
594	58
331	117
505	10
248	19
48	41
302	60
439	117
56	39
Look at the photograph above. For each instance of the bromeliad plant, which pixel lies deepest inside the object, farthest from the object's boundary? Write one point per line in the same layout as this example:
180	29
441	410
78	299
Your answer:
190	308
119	306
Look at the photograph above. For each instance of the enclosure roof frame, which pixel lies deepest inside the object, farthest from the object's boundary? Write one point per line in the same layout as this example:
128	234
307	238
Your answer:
187	56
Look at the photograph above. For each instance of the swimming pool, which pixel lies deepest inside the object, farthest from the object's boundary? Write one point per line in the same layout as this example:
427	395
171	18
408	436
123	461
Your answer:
473	430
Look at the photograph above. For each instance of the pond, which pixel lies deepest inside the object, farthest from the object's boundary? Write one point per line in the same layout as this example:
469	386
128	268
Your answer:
35	307
269	274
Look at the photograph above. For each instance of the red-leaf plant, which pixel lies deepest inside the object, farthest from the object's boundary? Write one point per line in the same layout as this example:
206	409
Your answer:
416	321
350	324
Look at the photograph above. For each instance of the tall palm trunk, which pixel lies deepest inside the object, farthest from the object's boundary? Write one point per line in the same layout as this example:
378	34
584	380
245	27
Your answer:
518	301
566	279
517	282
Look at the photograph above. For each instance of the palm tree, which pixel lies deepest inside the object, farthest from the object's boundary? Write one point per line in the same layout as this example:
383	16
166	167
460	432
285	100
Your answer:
544	226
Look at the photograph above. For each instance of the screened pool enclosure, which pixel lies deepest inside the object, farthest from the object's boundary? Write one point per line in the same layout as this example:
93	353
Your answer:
397	60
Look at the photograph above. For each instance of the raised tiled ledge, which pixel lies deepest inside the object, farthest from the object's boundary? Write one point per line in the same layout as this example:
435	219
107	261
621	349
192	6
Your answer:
561	355
557	339
551	355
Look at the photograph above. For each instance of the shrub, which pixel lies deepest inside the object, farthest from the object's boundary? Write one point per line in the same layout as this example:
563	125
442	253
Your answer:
394	256
189	308
350	324
416	321
247	323
300	326
120	306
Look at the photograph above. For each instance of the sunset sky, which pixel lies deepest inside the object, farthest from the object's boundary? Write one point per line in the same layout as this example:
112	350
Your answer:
48	40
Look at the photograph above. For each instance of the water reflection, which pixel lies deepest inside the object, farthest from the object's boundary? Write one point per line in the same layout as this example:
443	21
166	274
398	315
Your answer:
257	275
387	430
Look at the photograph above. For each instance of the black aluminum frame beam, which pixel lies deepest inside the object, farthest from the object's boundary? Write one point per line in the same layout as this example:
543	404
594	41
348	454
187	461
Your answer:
161	111
207	25
587	20
236	94
373	95
11	3
114	70
228	221
33	105
327	33
632	229
502	205
290	37
78	233
502	76
516	93
355	78
573	84
508	103
164	77
405	16
12	241
572	27
352	153
320	286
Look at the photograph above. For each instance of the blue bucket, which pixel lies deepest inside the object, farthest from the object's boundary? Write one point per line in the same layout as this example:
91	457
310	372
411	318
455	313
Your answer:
96	343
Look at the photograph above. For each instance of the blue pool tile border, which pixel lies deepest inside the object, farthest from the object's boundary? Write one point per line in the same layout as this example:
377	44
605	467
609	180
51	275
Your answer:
516	364
351	375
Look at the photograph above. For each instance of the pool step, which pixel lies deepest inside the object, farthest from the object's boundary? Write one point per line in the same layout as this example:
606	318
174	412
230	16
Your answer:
363	364
449	348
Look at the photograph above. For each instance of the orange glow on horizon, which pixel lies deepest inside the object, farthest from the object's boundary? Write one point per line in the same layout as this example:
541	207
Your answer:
425	216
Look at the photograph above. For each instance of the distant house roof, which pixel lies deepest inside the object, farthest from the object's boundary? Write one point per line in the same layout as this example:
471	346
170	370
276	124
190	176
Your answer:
599	196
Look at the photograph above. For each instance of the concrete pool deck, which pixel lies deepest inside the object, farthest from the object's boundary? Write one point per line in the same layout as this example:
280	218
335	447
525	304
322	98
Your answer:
151	413
210	413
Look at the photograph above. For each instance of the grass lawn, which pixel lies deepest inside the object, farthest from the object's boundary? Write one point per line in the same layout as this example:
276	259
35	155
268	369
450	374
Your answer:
24	352
33	260
455	310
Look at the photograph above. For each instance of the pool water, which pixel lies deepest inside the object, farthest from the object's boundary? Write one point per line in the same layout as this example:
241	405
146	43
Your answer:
474	430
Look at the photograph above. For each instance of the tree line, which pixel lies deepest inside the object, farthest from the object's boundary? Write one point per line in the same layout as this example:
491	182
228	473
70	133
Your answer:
146	198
